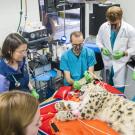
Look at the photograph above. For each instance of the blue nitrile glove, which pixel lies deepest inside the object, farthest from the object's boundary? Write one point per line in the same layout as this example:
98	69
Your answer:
133	75
88	76
105	51
34	93
118	54
76	85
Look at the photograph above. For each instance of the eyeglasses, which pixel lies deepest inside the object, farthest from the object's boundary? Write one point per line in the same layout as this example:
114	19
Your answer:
22	52
77	45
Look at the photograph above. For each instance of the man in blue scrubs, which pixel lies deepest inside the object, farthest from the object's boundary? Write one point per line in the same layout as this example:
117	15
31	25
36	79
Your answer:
76	60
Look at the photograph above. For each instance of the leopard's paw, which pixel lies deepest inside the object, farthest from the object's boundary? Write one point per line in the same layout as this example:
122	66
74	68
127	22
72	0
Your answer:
60	116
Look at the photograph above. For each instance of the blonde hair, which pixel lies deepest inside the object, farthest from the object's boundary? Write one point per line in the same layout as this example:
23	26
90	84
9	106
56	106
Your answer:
114	13
17	110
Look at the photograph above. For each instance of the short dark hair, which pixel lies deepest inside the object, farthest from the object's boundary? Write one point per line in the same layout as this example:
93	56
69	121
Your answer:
114	13
11	43
76	34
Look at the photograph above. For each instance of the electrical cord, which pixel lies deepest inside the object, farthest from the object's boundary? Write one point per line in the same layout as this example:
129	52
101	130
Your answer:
25	17
95	128
21	12
26	11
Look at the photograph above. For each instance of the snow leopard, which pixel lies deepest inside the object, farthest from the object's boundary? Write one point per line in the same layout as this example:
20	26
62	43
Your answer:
98	103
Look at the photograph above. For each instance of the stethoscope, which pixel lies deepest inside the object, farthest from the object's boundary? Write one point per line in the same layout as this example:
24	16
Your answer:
17	83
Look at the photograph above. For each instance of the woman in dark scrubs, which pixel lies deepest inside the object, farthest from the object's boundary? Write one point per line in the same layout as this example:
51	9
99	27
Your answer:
13	73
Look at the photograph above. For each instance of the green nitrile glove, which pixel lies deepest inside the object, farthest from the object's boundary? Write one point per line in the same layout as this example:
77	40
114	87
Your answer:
118	54
34	93
77	85
105	51
133	75
88	76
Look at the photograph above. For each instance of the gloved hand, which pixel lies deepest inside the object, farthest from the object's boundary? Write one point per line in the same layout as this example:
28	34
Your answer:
88	76
105	51
118	54
34	93
133	75
76	85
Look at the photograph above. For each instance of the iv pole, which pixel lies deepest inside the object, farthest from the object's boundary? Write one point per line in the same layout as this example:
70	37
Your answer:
64	17
63	4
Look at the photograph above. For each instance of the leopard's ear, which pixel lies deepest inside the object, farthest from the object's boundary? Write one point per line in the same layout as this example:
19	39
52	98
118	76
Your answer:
56	106
60	106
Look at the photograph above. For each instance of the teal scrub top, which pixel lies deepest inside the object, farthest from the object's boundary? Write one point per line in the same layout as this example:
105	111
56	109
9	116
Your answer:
77	65
113	37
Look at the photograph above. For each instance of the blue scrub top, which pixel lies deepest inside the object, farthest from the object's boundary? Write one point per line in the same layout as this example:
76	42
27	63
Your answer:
7	75
77	65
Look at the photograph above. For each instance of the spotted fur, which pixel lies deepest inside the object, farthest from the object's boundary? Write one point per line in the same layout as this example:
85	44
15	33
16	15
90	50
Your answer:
97	103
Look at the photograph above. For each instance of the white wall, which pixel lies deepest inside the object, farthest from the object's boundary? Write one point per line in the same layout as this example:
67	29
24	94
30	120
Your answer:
128	7
10	13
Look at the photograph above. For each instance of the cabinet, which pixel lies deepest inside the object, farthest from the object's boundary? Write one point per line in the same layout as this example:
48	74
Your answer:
130	83
98	17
